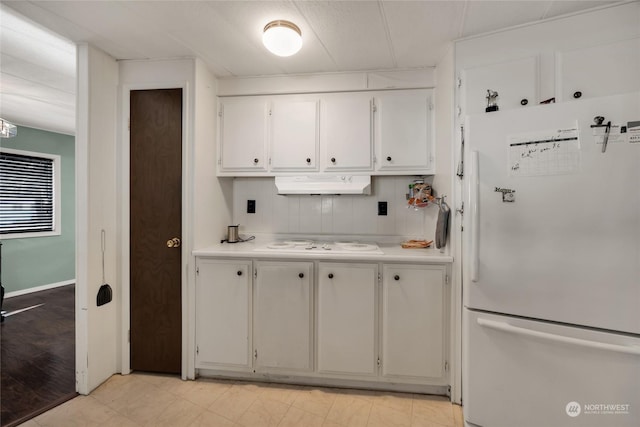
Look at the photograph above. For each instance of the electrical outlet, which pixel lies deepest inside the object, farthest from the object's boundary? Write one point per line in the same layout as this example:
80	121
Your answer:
251	206
382	208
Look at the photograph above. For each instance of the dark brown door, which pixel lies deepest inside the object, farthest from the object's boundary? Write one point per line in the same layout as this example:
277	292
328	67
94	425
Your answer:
155	218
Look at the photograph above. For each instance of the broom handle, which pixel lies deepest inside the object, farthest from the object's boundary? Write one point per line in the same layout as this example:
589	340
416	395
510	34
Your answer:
102	245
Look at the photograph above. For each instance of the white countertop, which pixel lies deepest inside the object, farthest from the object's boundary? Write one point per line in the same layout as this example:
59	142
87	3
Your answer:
390	252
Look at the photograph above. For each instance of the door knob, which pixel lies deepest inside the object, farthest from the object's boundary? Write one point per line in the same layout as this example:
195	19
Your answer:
173	243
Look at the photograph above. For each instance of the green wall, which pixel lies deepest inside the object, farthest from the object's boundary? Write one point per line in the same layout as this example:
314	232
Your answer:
37	261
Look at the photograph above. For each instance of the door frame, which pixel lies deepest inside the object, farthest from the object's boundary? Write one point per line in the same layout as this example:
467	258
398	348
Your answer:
123	173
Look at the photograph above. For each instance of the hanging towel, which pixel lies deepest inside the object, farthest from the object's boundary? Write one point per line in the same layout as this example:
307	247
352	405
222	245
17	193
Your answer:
442	226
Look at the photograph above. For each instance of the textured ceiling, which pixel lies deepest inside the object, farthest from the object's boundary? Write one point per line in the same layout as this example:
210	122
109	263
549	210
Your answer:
339	36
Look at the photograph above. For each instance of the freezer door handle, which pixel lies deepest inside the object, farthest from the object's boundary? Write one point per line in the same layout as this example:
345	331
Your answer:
473	201
505	327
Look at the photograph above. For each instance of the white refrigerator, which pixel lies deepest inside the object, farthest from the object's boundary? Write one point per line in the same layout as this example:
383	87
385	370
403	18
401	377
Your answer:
551	280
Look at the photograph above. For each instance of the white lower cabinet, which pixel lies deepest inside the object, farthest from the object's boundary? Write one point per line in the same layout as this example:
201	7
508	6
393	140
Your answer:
323	319
413	321
347	306
223	314
283	333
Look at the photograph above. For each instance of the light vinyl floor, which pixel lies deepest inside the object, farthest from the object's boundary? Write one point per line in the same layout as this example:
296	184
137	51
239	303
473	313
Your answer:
156	400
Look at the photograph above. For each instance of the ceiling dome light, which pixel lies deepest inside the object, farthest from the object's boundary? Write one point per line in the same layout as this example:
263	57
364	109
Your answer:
282	38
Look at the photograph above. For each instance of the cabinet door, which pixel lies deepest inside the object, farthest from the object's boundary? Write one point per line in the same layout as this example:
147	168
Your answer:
403	131
294	134
347	306
283	326
600	70
243	135
513	80
413	321
345	136
223	314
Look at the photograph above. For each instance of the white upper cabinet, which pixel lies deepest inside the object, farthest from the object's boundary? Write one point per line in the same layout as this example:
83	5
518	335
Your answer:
600	70
515	81
243	135
327	133
294	134
403	131
346	132
578	56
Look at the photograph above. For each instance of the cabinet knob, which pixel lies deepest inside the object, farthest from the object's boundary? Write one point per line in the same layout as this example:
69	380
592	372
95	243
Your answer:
577	94
239	273
308	160
333	160
255	161
524	101
396	277
330	276
388	158
301	275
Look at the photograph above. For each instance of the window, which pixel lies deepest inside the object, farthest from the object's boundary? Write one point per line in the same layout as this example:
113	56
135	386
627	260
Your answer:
29	194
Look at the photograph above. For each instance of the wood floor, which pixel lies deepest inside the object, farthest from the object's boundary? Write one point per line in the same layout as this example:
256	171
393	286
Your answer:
37	361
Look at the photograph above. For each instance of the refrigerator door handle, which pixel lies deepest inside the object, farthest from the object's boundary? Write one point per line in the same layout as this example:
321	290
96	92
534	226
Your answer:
505	327
473	202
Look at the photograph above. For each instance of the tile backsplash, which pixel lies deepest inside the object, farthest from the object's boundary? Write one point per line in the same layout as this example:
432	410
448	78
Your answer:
331	214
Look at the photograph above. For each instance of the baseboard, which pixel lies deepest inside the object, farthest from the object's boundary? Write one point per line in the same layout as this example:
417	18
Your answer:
39	288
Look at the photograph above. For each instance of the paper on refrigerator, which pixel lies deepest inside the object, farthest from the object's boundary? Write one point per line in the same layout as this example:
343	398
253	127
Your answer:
551	152
633	132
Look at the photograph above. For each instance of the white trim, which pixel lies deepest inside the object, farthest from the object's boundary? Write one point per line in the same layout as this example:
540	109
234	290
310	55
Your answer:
82	217
57	199
39	288
187	181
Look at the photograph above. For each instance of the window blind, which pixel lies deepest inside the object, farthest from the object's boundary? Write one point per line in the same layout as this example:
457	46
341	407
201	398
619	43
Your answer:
26	194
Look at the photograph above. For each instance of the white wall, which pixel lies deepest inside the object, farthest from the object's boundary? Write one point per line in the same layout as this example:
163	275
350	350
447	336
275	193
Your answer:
447	182
212	196
331	214
96	210
445	138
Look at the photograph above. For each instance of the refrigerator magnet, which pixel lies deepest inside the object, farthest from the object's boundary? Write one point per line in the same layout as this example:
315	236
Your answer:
508	195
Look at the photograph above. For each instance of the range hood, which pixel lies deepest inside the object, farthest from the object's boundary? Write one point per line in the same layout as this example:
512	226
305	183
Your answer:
324	184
